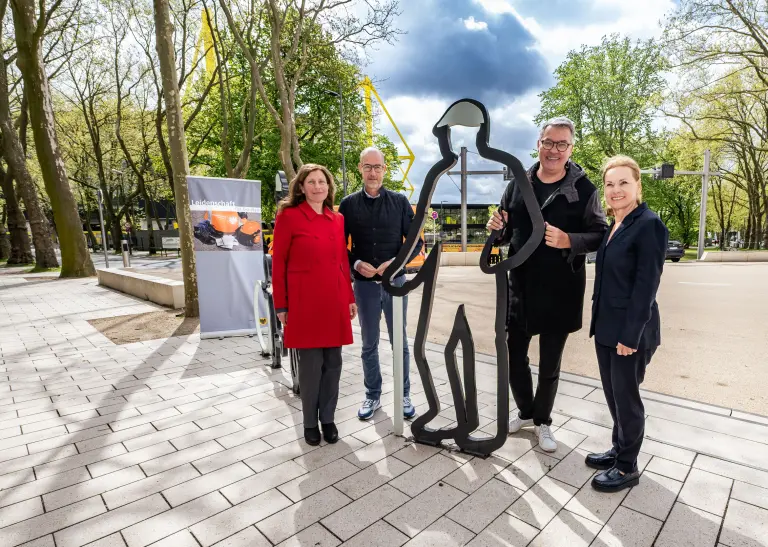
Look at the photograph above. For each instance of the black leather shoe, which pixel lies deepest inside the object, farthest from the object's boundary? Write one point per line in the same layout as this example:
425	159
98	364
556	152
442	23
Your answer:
613	481
312	435
604	460
330	433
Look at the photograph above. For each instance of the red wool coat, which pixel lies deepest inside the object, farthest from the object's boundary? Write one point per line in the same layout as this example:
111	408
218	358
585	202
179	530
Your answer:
310	277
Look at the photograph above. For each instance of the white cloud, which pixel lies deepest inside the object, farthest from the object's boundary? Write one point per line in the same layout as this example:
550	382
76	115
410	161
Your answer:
495	6
634	19
471	24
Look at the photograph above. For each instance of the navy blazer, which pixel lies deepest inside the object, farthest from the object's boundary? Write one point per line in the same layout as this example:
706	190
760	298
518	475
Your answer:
627	275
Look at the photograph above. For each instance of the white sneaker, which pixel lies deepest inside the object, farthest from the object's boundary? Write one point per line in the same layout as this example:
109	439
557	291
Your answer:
517	423
547	440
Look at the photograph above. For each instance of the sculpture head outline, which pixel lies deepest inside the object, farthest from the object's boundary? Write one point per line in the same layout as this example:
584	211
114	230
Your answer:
467	113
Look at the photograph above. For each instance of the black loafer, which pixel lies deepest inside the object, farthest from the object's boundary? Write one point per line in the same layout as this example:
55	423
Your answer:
613	481
312	435
330	433
604	460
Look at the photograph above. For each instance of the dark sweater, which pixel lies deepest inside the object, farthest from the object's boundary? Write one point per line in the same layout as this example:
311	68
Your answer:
377	227
546	293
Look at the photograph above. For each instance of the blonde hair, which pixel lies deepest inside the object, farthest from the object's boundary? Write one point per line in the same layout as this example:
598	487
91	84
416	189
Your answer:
623	161
296	196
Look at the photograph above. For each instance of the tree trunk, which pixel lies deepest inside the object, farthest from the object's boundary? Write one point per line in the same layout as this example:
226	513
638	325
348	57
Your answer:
178	146
5	243
285	152
45	255
75	258
150	228
117	234
21	252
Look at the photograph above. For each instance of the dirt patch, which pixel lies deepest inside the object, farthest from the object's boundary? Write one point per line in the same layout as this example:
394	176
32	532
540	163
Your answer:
126	329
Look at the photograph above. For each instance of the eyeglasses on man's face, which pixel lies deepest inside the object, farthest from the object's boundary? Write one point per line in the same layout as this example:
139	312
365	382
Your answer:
561	146
378	168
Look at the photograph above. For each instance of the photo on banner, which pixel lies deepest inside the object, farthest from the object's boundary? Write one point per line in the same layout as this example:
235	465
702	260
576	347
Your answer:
229	253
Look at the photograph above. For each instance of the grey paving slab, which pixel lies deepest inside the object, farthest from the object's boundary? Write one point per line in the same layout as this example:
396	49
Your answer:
484	505
744	525
542	502
654	496
426	508
594	505
749	493
380	534
706	491
689	527
628	528
443	533
505	531
364	512
567	530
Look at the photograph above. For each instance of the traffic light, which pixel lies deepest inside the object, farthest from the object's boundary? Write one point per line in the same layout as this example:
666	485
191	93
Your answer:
667	171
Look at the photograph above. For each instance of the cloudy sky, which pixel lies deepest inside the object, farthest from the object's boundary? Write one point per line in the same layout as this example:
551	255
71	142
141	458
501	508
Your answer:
502	52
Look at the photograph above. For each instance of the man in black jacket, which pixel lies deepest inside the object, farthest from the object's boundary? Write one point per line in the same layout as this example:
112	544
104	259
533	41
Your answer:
546	294
377	220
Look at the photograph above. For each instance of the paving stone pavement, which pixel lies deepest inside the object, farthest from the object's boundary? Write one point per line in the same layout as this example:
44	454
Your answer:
187	442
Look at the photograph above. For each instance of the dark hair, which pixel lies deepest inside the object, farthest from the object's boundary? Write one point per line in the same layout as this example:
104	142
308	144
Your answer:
296	196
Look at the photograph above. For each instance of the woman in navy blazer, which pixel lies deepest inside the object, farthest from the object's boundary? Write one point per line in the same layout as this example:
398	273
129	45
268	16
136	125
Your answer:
625	317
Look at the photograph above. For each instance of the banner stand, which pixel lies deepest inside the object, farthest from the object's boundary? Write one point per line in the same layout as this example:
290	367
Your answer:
229	255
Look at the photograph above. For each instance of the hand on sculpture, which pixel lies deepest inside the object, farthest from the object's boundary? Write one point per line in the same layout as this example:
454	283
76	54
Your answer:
366	270
555	237
497	221
384	266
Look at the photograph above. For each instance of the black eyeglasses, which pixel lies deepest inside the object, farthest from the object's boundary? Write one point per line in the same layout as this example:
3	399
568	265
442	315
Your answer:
562	146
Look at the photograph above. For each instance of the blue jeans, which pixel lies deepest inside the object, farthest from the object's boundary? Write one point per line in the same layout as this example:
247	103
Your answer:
371	299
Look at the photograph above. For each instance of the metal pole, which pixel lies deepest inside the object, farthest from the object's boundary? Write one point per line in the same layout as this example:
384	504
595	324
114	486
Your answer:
463	199
703	208
103	233
397	361
343	160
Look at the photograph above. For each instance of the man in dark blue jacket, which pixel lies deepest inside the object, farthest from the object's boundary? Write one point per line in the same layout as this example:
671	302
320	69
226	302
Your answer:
377	221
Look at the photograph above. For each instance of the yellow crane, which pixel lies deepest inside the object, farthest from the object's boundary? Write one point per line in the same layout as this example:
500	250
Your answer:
206	41
369	91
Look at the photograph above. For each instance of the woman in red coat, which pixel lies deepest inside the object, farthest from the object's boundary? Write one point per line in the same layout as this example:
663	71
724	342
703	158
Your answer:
312	291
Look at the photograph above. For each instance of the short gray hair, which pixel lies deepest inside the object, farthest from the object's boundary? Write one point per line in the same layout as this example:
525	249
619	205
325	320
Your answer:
560	121
372	149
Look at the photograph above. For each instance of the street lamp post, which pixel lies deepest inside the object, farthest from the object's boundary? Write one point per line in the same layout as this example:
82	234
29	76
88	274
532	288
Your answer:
340	95
103	231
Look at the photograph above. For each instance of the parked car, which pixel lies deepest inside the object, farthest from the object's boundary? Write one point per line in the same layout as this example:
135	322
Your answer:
675	251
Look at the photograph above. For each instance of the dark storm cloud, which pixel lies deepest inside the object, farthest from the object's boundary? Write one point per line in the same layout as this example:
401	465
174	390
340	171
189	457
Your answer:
440	56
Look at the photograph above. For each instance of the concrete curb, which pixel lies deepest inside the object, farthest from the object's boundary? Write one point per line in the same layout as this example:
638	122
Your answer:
159	290
735	256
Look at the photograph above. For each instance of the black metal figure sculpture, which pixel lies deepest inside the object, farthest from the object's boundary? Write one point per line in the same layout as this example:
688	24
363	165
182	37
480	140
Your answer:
467	113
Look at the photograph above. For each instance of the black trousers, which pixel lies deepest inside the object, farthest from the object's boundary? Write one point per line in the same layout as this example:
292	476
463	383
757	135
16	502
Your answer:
551	345
621	377
319	374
